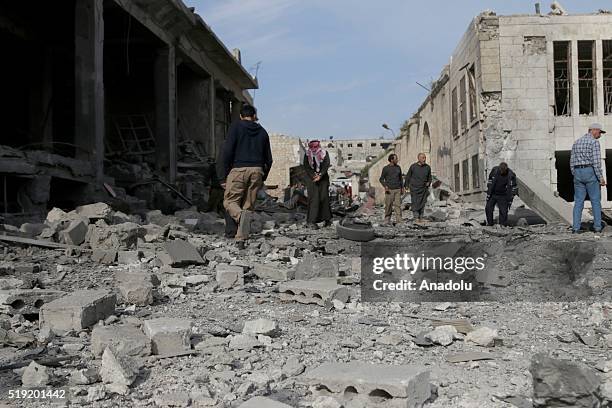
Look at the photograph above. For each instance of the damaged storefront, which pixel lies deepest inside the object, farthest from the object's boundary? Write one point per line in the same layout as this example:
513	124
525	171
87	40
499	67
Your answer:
112	100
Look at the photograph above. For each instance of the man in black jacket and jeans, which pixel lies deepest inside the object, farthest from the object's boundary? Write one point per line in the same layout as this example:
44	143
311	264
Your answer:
501	189
247	159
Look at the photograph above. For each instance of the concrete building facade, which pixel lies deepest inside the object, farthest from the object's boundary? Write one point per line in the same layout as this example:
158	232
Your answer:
352	155
287	153
96	80
519	89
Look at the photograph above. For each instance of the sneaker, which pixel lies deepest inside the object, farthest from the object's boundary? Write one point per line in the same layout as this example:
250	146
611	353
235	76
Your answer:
244	227
328	223
313	226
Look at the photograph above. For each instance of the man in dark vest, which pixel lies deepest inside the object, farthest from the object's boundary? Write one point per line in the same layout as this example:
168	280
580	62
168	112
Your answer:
501	189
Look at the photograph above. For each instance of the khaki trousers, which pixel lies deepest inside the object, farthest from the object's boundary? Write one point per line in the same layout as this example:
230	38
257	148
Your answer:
241	189
393	203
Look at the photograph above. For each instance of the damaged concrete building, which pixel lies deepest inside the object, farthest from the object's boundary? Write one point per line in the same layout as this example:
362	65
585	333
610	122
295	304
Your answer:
518	88
110	91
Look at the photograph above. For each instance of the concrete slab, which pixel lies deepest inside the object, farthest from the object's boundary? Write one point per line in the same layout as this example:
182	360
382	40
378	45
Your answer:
311	267
75	233
228	276
124	338
541	199
80	310
95	211
169	335
263	402
316	291
398	381
275	273
26	301
181	252
104	256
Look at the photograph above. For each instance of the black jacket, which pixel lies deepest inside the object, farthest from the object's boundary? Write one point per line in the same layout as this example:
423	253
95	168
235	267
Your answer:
247	145
323	167
391	177
511	187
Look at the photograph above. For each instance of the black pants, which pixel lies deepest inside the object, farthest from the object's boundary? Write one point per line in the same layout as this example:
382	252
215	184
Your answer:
502	204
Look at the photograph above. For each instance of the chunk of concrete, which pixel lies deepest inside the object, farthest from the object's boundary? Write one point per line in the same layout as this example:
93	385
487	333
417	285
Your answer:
35	375
80	310
75	233
169	336
410	383
84	376
125	339
136	292
95	211
483	336
563	383
26	301
118	371
261	326
104	256
276	273
316	291
181	253
129	257
263	402
311	267
228	276
136	287
120	236
541	199
32	229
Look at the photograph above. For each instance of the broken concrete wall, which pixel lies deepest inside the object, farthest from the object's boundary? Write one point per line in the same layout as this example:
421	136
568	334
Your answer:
527	70
287	152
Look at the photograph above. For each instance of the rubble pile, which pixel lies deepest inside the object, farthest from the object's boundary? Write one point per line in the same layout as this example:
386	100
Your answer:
162	310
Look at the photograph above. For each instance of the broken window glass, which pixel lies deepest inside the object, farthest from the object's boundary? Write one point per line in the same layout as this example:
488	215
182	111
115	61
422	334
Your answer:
563	95
586	77
607	75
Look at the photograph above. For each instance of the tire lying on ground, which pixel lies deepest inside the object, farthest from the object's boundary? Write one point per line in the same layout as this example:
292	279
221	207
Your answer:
353	231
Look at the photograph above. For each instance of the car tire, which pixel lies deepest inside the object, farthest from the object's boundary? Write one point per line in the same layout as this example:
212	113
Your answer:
355	232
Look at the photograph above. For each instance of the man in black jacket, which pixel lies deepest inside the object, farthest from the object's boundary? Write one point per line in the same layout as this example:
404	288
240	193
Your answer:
501	189
247	159
392	180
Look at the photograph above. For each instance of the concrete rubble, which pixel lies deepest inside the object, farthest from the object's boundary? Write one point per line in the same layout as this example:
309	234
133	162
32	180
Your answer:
167	315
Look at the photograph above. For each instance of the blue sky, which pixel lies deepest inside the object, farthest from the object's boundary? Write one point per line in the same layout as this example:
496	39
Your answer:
343	67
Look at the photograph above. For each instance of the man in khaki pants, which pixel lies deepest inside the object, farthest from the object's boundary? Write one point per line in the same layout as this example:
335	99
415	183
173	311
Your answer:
391	179
247	158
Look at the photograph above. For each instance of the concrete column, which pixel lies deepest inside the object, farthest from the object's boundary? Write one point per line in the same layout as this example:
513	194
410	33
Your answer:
89	83
165	111
599	93
212	92
575	85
